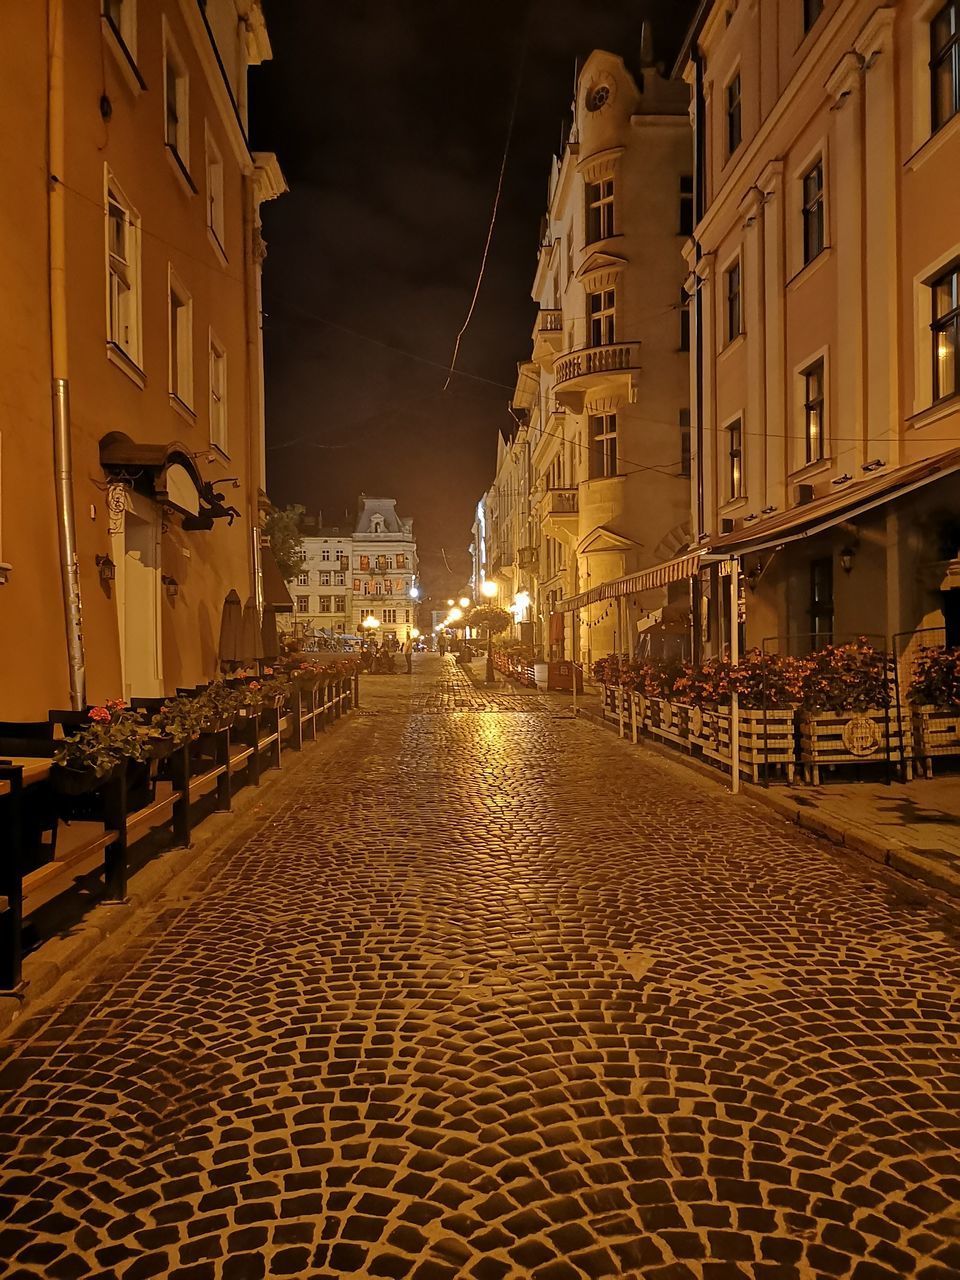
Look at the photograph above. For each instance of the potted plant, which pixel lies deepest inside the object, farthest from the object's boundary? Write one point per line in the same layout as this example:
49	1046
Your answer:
934	695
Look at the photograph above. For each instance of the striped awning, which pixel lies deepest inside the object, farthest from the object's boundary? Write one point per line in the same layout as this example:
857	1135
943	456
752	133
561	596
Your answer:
659	575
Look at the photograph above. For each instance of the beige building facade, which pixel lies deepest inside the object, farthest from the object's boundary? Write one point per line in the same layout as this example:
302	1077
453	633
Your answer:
594	483
350	575
825	277
131	410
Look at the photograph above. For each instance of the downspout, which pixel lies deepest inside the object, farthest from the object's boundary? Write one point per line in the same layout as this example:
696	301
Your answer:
699	208
255	451
62	452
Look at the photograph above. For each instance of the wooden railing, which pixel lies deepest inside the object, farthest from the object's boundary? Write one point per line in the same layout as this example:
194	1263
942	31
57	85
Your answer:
107	820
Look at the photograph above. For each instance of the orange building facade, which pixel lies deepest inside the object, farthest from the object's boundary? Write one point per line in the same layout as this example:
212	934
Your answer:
131	402
825	277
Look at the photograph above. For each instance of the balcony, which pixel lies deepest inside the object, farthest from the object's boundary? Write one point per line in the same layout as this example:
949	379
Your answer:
547	336
613	367
528	557
560	513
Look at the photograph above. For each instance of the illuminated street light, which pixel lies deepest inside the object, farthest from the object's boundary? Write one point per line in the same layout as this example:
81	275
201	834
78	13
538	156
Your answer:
414	593
370	622
415	634
451	603
489	588
455	614
464	602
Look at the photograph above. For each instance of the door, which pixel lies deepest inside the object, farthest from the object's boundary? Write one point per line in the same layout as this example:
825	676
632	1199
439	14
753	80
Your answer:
140	605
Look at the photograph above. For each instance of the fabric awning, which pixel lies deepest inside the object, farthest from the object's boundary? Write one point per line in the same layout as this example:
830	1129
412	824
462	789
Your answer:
847	503
275	593
659	575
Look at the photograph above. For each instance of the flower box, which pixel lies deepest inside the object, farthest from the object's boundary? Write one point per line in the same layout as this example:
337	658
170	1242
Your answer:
829	738
938	734
767	740
70	781
669	721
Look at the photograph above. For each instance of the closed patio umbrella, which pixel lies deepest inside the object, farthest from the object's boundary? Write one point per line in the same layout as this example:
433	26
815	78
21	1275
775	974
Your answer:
268	631
231	620
251	641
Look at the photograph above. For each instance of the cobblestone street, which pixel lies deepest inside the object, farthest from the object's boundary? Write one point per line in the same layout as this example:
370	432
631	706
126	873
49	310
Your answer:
488	993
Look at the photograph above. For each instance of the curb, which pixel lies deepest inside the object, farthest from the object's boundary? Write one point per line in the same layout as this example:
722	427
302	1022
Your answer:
59	958
851	836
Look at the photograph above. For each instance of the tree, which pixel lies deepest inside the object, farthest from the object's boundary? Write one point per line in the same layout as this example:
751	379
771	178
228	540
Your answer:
488	618
282	527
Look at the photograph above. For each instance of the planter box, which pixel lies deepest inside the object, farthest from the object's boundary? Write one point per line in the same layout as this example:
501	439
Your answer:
668	721
829	738
937	733
767	740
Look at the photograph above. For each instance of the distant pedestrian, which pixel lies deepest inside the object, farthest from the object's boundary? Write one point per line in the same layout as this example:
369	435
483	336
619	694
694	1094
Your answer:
408	653
442	646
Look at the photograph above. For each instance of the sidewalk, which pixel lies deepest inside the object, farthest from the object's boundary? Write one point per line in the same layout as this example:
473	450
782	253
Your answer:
912	827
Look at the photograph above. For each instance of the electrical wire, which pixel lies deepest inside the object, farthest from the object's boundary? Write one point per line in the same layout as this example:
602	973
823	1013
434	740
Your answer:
496	200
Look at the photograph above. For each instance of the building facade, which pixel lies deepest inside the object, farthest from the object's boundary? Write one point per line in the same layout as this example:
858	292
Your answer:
349	576
131	420
594	483
825	274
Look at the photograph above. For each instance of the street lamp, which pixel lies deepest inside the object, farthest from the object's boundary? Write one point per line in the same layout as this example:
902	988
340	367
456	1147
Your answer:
489	589
464	602
414	593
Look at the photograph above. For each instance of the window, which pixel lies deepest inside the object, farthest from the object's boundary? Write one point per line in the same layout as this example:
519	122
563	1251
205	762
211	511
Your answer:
121	17
734	119
813	412
401	560
812	10
364	562
218	396
603	445
324	579
684	320
339	604
732	297
686	205
685	459
215	208
821	601
945	63
356	584
378	587
323	604
946	335
599	210
325	553
123	274
339	580
181	343
813	213
735	460
303	604
303	578
602	322
176	98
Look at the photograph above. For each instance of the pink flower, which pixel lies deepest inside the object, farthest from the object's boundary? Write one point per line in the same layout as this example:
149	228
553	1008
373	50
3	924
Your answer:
100	714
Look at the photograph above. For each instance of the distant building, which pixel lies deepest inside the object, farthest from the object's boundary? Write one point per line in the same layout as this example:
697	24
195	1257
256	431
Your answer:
353	574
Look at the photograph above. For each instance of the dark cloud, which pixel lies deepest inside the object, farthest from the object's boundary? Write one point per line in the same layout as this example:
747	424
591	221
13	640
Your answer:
389	119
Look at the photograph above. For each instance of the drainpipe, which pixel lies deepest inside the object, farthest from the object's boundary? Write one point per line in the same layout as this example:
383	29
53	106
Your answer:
699	207
62	453
255	416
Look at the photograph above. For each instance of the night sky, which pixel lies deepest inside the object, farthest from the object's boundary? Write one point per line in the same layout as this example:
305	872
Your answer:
389	120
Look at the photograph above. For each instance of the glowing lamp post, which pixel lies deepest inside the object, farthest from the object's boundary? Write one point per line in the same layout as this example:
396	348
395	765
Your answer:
490	590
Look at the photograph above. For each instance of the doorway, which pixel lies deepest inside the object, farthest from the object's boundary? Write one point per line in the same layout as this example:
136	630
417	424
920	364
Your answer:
139	604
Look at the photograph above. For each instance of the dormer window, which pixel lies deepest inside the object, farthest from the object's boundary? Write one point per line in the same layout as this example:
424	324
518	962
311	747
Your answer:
377	525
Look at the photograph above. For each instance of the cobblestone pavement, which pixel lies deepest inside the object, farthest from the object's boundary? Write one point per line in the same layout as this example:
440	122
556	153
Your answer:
491	994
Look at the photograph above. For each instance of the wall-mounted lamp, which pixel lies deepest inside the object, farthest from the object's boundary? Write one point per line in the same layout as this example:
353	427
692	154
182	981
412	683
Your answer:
171	586
106	568
754	575
846	559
